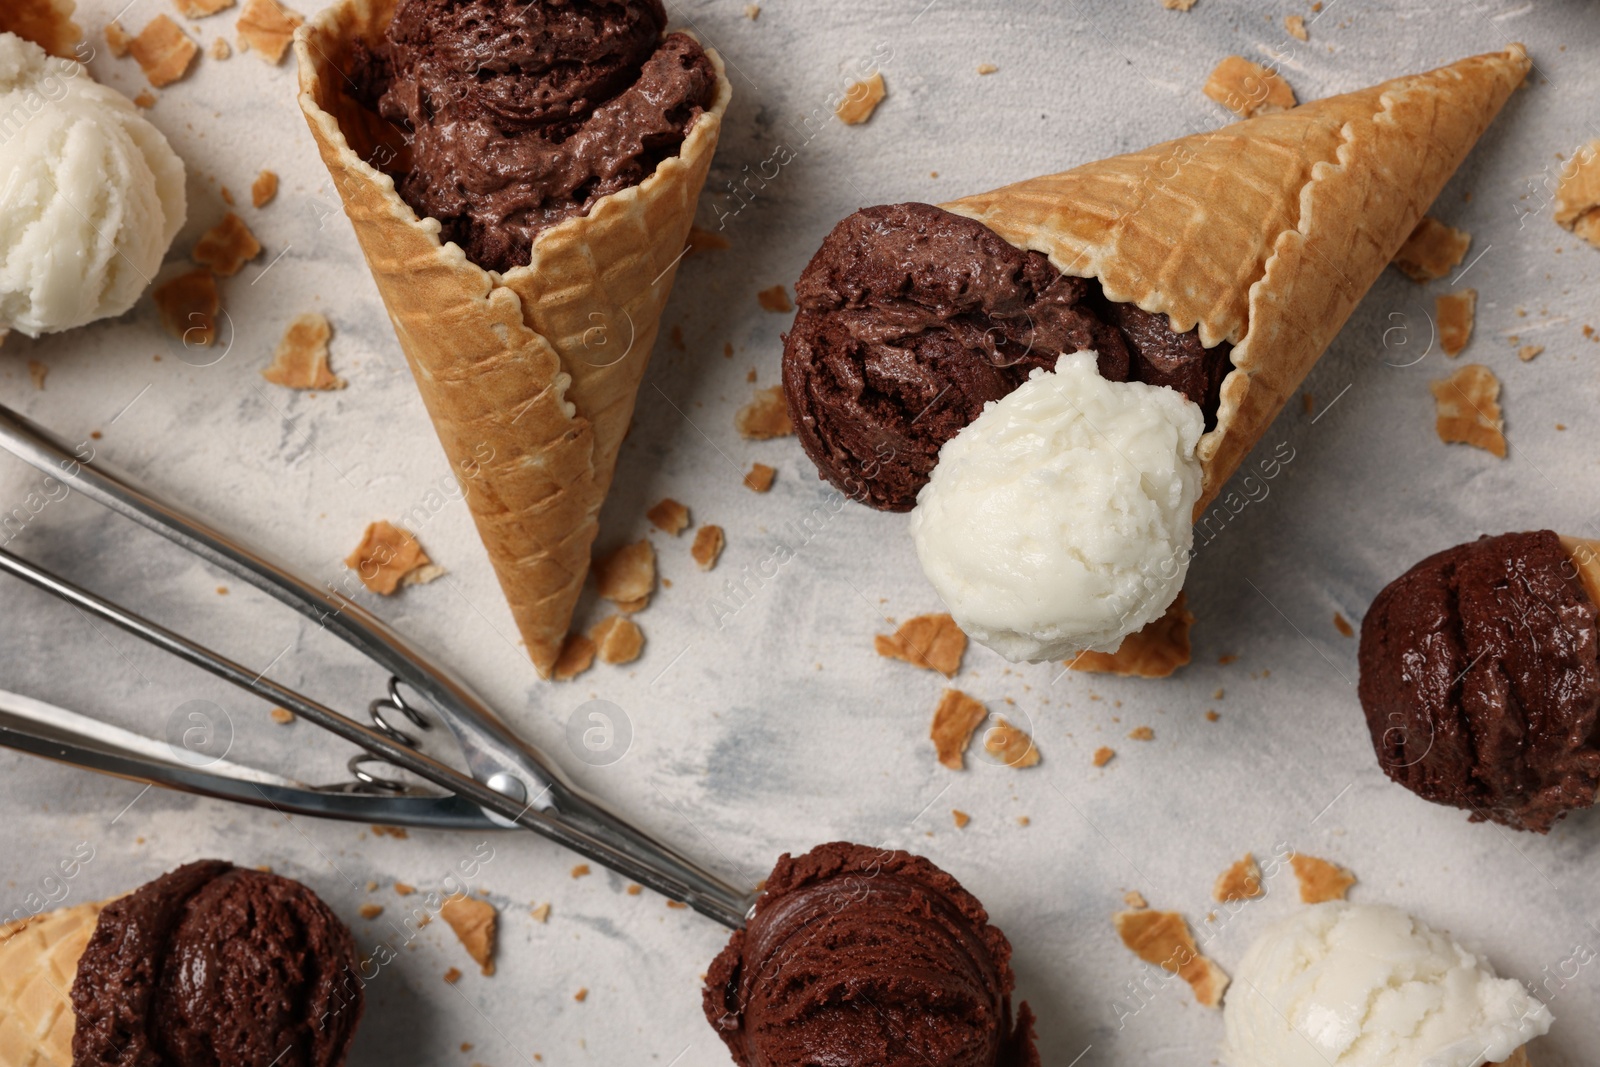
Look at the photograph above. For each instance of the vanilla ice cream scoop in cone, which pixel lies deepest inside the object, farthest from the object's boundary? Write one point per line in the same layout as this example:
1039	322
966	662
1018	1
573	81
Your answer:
1214	269
522	177
1480	678
207	966
1361	985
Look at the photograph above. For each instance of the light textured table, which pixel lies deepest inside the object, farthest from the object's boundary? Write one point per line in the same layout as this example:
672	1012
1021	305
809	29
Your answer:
779	728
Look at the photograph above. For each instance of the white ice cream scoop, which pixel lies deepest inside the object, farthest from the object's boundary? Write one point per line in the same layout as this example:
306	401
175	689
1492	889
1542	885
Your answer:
91	194
1061	518
1351	985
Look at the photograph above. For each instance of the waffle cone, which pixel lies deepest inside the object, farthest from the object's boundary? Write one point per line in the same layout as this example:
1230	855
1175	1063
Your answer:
38	963
530	377
1265	233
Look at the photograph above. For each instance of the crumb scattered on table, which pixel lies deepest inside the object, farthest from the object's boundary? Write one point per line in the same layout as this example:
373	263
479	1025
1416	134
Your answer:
617	640
268	27
766	416
370	911
282	716
37	372
1135	899
627	576
1342	624
1468	409
474	922
1011	745
162	50
1103	756
220	49
452	976
1528	353
988	68
265	187
541	914
1242	881
1177	5
954	721
1141	733
1162	938
146	99
708	545
1320	881
775	299
581	871
932	642
1454	313
227	246
301	359
188	305
702	240
118	40
861	100
385	556
960	817
1247	88
1296	26
669	516
760	478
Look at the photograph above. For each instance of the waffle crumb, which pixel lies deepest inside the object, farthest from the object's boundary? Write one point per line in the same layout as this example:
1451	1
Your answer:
1177	5
1162	938
1010	745
268	27
954	721
399	833
766	416
1242	881
118	40
634	889
988	68
541	914
370	911
1308	403
1141	733
1103	756
264	188
282	716
932	642
199	9
1577	204
576	656
220	48
385	556
627	576
1135	900
188	305
301	359
1153	652
452	976
474	924
752	11
163	51
1454	312
581	995
146	99
960	818
1468	404
669	516
1247	88
706	241
403	889
617	640
1212	716
227	246
37	372
1528	353
1432	251
861	100
581	871
760	478
707	548
775	299
1296	27
1320	881
1342	624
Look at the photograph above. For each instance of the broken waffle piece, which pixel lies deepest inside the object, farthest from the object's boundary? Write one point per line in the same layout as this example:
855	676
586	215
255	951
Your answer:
268	28
933	642
1162	938
577	655
188	305
1153	652
118	39
1468	404
708	545
1527	353
227	246
765	417
1103	756
759	480
385	557
301	359
1010	745
37	372
199	9
1177	5
669	516
265	187
1320	881
1242	881
627	576
474	922
954	720
1432	251
706	241
1247	88
163	51
960	818
775	299
1577	205
617	639
1295	25
1454	312
220	48
861	100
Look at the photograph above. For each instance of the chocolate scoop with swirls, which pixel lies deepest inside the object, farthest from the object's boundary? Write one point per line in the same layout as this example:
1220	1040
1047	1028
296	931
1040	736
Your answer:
913	318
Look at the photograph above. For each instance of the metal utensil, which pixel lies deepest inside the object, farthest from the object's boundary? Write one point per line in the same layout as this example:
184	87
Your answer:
511	783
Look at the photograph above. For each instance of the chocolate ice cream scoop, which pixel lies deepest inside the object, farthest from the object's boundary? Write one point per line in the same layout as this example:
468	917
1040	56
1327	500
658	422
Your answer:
866	957
214	966
526	112
913	318
1480	683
